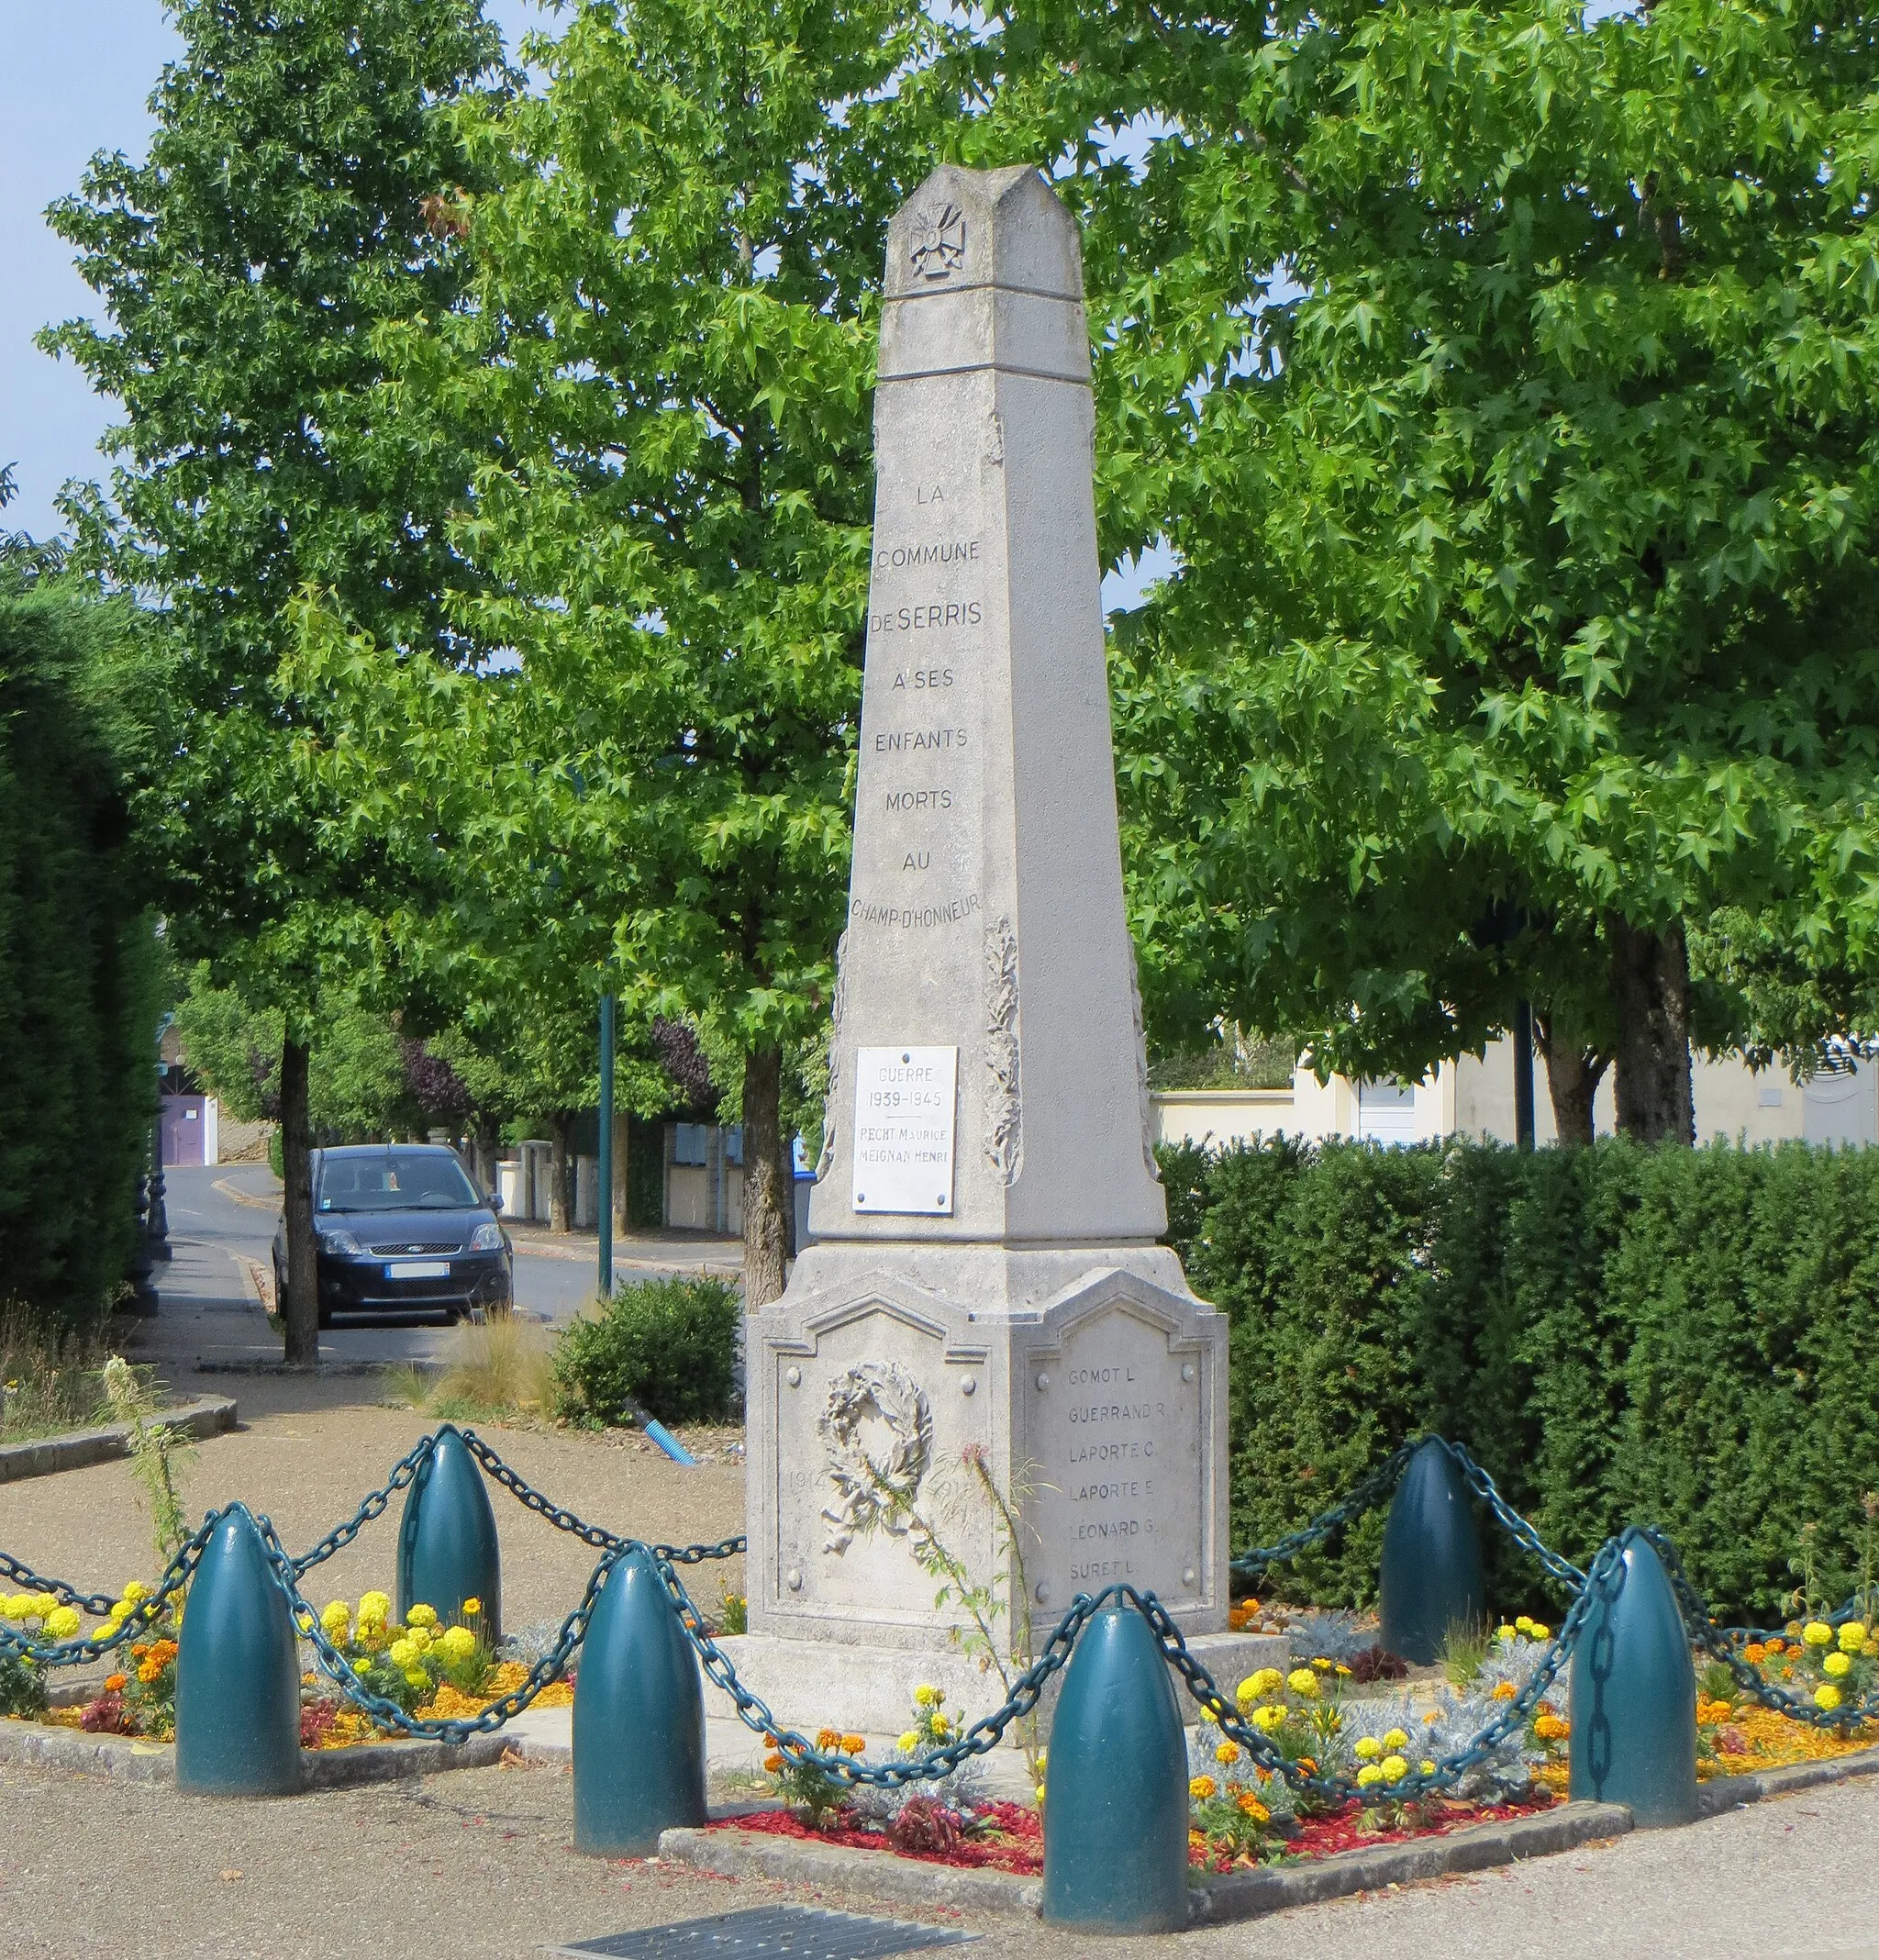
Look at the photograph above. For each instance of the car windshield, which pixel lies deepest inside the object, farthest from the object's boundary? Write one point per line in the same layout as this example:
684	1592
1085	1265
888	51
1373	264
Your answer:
396	1181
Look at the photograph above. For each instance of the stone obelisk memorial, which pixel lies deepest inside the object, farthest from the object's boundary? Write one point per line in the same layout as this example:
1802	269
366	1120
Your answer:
984	1276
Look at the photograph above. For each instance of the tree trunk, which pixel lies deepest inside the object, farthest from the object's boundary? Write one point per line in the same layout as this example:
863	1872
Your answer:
561	1176
766	1240
1650	991
485	1143
301	1308
787	1187
1572	1075
622	1224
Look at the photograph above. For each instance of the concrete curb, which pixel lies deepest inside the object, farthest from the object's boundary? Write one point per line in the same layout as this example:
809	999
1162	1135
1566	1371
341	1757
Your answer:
34	1745
209	1417
1722	1794
1250	1894
874	1873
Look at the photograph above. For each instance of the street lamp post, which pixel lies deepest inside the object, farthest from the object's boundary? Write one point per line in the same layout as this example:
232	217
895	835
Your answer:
603	1204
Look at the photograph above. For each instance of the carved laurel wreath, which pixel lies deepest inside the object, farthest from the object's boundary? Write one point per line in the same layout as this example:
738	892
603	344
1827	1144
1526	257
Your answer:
870	1491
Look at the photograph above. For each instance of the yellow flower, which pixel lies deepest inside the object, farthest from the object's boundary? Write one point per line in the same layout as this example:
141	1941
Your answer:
61	1623
419	1636
1369	1777
1228	1752
417	1677
404	1654
1396	1739
374	1604
1267	1681
473	1607
1538	1632
1040	1793
910	1742
1267	1719
1523	1624
1852	1636
1394	1769
1504	1633
362	1668
135	1591
1043	1757
1426	1766
1367	1749
1836	1664
458	1643
939	1724
1826	1696
1323	1667
1201	1787
1303	1682
1817	1634
1342	1671
422	1615
927	1697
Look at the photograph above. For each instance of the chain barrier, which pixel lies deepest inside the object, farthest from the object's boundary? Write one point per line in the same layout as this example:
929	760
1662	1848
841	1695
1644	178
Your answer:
1364	1497
77	1653
563	1520
404	1473
97	1604
1719	1643
1509	1520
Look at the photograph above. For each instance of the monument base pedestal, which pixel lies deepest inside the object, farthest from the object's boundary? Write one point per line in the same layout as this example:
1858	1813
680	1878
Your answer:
811	1683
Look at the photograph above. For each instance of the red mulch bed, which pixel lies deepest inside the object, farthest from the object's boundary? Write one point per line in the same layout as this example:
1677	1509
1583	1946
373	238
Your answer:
1014	1842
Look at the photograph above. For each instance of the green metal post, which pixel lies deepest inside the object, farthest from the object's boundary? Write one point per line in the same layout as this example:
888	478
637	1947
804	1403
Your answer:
1431	1579
1634	1695
447	1542
638	1718
604	1197
1116	1786
238	1681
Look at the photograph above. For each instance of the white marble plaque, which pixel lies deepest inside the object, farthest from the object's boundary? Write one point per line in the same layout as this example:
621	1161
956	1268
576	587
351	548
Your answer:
904	1125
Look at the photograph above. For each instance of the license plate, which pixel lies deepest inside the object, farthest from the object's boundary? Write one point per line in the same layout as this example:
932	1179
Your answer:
418	1269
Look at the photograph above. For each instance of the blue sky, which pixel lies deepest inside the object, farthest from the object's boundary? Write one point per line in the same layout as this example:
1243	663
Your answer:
75	78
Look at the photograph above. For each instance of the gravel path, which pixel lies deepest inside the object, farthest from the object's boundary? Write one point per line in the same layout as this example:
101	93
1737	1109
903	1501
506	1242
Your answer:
478	1862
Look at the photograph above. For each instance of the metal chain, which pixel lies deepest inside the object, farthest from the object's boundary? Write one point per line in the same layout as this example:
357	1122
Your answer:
1720	1644
404	1473
97	1604
1362	1499
76	1653
597	1535
386	1713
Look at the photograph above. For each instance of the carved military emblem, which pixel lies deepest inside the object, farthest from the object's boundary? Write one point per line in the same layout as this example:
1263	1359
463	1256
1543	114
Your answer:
939	243
873	1490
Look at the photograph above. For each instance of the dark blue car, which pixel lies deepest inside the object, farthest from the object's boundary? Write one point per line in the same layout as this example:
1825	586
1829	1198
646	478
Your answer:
402	1229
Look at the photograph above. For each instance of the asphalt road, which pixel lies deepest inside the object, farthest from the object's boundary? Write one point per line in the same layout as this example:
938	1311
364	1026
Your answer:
221	1216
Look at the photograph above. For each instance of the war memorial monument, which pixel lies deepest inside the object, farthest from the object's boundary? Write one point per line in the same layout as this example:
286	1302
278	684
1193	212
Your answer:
984	1279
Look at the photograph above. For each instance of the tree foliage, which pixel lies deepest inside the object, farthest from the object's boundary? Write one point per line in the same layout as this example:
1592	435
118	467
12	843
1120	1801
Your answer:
1504	380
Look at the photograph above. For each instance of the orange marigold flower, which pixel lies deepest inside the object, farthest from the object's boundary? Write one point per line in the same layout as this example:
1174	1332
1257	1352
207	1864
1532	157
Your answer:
1505	1691
1550	1728
1308	1765
116	1684
147	1671
140	1649
1250	1806
827	1738
853	1744
1754	1653
772	1761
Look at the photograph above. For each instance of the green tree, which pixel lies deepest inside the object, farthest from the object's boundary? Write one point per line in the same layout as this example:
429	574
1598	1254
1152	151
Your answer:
301	190
1504	380
674	335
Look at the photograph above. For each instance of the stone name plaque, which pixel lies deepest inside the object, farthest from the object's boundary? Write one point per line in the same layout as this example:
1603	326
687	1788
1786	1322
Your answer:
1119	1425
905	1100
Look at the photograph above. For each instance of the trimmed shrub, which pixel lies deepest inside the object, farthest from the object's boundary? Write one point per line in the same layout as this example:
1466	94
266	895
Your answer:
1687	1338
667	1345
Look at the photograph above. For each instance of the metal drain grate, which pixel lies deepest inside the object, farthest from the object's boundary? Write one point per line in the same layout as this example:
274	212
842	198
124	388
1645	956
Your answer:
772	1933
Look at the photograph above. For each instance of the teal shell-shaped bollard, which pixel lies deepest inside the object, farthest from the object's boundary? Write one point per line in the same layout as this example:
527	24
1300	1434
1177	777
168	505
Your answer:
1431	1566
447	1544
1116	1786
1634	1695
238	1679
638	1718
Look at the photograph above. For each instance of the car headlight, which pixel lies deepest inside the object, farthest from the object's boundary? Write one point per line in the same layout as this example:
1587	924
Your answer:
337	1241
486	1238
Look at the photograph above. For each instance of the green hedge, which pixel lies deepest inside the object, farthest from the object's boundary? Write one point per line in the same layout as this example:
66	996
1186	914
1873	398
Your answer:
80	972
667	1345
1684	1338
